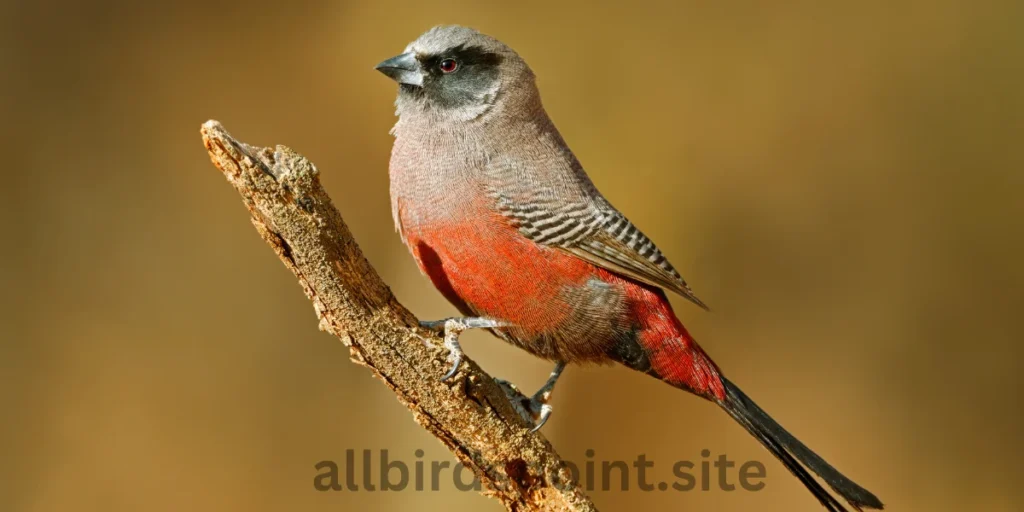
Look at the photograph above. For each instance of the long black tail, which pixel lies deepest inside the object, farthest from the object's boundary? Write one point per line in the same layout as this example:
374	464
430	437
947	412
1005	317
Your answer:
791	452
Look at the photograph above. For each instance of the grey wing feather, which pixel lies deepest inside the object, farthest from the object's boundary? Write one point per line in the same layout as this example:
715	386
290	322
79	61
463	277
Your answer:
596	232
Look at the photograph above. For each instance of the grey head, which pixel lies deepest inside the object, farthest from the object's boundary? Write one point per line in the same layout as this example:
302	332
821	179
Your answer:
453	73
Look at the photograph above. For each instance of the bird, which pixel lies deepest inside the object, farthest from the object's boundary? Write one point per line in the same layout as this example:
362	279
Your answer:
501	217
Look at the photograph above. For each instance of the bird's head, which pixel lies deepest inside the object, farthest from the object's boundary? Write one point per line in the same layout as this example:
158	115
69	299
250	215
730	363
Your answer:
456	73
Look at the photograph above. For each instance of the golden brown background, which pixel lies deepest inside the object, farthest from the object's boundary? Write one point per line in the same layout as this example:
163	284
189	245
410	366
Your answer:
842	183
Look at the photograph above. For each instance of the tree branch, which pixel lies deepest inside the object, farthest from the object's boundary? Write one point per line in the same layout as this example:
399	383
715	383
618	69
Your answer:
470	414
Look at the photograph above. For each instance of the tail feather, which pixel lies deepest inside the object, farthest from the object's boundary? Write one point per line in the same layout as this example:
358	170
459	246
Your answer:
791	452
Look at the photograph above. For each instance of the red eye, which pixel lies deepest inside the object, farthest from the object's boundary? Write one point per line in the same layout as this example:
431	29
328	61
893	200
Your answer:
448	65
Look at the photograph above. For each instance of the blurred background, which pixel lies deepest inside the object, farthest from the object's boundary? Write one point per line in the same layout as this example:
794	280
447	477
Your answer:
841	183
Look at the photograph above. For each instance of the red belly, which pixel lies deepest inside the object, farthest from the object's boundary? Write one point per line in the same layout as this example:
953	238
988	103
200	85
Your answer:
485	267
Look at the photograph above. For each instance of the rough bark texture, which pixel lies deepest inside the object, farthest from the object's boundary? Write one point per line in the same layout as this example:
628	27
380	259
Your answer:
469	413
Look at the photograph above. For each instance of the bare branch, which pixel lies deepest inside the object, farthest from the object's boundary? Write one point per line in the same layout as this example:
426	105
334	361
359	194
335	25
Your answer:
469	414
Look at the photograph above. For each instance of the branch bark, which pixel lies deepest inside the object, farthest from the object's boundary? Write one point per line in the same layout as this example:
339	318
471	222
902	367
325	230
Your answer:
469	414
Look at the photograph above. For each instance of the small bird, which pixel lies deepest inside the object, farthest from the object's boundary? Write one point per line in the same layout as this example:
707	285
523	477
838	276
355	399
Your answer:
501	217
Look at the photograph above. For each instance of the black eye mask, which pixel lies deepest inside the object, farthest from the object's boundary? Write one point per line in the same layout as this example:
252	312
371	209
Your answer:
475	73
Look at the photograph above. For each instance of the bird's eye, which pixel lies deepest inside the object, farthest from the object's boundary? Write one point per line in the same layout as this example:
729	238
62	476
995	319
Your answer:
448	65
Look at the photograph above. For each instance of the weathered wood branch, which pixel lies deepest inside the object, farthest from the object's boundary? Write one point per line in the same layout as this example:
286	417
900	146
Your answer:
470	414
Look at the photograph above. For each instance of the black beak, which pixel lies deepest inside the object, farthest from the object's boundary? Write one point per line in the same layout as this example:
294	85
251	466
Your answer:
404	69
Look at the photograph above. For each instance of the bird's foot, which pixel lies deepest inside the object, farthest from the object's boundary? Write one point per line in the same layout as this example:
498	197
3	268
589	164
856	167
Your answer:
531	409
535	409
452	328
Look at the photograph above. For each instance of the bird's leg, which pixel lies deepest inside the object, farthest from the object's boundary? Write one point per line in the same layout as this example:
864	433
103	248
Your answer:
535	409
452	328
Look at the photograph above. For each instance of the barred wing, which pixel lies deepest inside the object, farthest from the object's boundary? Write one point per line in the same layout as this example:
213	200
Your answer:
596	232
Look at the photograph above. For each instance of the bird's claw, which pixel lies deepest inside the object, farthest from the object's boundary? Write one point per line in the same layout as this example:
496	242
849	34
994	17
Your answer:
451	342
545	413
452	328
534	410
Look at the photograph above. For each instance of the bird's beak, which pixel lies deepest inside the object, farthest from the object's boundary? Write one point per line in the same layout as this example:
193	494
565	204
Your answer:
404	69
